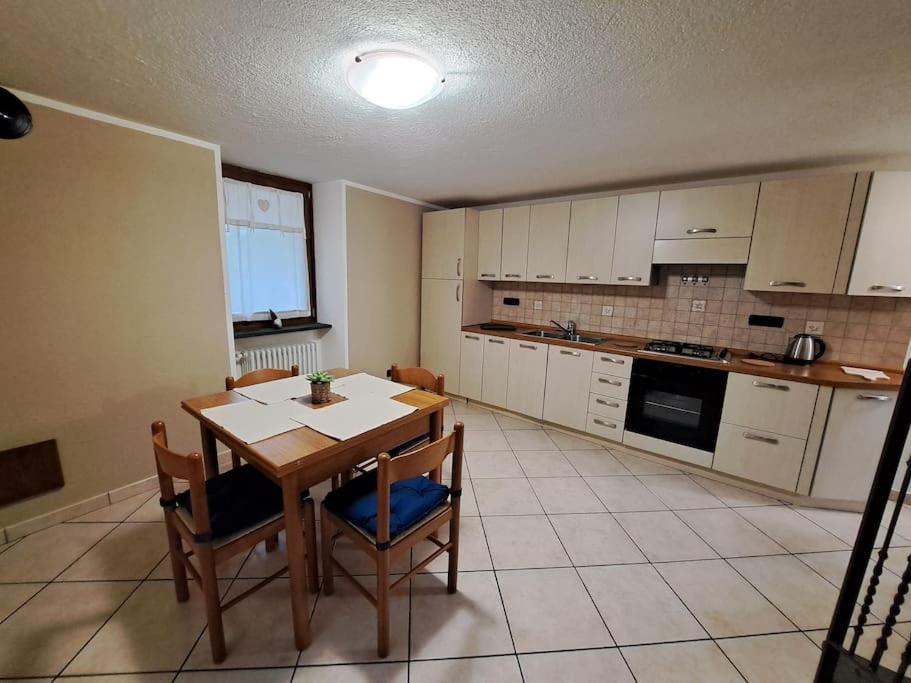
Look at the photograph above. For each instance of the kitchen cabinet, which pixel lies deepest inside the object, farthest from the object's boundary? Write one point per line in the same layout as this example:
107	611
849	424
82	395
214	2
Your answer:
471	367
609	385
637	216
605	406
567	372
765	457
441	321
490	243
884	247
496	371
514	257
798	234
527	375
548	237
443	244
707	212
612	364
592	231
772	405
605	427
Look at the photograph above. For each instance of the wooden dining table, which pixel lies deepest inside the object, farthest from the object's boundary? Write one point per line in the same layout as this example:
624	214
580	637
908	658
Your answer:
301	458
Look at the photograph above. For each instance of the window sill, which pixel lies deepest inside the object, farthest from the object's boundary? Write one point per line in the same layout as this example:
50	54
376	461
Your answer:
265	331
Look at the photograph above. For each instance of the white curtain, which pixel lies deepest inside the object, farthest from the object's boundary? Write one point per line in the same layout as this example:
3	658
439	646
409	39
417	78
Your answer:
267	252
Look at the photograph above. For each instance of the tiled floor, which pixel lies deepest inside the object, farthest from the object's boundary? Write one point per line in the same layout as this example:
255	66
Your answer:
577	562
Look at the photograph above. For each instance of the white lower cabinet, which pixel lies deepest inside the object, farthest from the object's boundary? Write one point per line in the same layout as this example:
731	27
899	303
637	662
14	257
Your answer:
605	406
759	456
772	405
496	371
471	369
565	400
527	375
605	427
609	385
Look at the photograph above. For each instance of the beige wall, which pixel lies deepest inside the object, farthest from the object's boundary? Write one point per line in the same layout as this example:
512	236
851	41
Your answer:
384	280
112	297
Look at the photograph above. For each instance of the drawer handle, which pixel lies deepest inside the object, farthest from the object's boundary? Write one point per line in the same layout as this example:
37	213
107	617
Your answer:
888	288
544	277
629	278
609	425
570	353
760	437
786	283
699	231
771	385
471	336
495	341
873	397
609	404
613	382
528	346
488	274
608	359
513	275
586	277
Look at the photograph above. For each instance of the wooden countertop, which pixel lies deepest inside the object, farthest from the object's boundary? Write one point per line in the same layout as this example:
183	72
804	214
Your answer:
822	373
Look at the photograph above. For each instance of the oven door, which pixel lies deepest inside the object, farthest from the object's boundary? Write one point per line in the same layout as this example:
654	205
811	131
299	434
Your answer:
677	403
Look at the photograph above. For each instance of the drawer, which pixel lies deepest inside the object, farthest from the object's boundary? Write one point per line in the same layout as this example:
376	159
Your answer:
606	406
609	385
605	427
759	456
772	405
613	364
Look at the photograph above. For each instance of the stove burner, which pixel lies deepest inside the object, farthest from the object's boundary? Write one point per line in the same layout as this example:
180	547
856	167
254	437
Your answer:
676	348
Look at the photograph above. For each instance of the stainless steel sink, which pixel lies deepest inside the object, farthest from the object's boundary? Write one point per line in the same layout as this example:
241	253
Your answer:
554	334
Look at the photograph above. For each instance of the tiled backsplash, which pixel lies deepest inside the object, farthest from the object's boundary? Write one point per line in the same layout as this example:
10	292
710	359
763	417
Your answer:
869	330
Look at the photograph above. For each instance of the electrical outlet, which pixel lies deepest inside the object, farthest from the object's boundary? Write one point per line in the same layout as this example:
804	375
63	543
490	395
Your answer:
607	310
698	306
814	327
539	305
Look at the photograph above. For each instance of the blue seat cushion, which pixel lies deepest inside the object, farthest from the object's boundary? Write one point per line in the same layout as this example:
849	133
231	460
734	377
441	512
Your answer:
239	499
410	501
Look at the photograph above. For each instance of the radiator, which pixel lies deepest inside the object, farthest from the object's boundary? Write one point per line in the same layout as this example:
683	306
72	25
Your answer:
304	355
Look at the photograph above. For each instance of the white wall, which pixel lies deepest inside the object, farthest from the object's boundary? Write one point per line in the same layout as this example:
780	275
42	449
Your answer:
330	253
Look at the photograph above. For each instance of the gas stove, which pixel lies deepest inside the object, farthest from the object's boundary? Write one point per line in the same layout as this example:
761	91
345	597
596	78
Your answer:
687	350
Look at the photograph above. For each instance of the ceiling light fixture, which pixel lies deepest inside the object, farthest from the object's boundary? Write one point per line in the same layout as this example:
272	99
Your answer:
394	80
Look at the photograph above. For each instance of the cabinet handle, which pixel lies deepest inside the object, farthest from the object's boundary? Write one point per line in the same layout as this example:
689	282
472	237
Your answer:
888	288
495	341
570	353
458	292
471	336
459	267
609	425
528	346
629	278
771	385
612	382
488	274
698	231
609	404
873	397
760	437
544	277
513	275
586	277
618	361
786	283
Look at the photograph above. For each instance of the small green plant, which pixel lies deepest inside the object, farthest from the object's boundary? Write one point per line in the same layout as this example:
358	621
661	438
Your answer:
320	377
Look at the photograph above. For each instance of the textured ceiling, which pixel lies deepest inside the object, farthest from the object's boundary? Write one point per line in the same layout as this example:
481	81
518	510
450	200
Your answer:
541	97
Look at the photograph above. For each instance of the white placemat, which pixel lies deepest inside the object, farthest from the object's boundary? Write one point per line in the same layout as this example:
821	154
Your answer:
251	421
355	416
363	385
277	390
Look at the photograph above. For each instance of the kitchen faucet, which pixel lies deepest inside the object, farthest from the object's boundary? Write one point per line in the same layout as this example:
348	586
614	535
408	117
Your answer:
569	329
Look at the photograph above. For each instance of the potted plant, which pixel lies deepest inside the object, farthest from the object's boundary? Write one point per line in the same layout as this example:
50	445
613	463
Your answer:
319	386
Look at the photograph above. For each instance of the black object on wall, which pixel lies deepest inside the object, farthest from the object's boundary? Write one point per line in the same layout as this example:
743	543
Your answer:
766	320
510	301
15	119
29	470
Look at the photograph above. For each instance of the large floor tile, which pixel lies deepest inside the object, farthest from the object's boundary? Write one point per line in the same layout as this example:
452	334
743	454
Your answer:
867	645
777	658
723	602
150	511
643	466
13	595
681	663
680	493
485	440
494	465
461	408
482	670
844	525
593	539
526	542
226	570
729	534
624	494
663	537
473	553
131	551
805	597
550	609
44	554
595	463
832	566
569	442
125	678
638	606
241	676
733	495
44	634
512	422
259	564
468	623
794	532
563	495
391	672
469	502
503	497
545	464
119	511
478	421
582	666
529	440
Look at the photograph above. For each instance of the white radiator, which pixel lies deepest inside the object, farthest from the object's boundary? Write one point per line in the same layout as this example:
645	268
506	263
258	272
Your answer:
306	356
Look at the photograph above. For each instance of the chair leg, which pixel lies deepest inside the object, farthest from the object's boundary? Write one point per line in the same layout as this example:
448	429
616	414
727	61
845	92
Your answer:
235	460
326	546
213	602
453	578
178	570
382	603
272	544
310	543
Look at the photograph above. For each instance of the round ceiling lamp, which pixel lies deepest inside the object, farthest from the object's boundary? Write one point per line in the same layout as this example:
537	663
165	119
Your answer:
15	119
394	80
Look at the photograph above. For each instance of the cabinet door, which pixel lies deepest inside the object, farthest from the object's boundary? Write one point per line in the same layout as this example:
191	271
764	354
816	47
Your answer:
471	366
527	374
799	230
548	235
760	456
722	211
515	242
496	371
592	228
637	216
490	243
441	325
443	244
772	405
565	396
884	249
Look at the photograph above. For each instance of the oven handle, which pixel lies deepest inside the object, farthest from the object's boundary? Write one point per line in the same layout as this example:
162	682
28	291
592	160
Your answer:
759	437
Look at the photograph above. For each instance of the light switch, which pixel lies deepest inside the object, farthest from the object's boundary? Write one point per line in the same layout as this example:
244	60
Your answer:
539	305
814	327
698	306
607	310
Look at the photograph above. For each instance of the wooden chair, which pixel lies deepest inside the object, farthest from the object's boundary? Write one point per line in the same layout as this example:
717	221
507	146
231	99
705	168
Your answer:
217	519
388	511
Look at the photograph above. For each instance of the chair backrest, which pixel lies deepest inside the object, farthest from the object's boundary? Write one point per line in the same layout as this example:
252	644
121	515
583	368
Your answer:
414	464
260	376
191	468
418	377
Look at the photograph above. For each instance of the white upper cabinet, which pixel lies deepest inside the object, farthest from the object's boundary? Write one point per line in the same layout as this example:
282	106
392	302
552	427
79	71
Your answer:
705	212
443	245
799	231
592	228
548	235
881	265
637	215
490	242
515	242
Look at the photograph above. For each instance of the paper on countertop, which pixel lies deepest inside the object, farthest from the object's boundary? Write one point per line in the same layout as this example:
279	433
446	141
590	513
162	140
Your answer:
866	373
350	418
251	421
277	390
363	385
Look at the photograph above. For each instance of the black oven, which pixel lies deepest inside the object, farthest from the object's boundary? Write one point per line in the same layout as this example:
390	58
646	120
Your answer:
678	403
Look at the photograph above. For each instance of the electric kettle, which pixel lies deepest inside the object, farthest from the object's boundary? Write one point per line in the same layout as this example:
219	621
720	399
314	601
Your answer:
804	349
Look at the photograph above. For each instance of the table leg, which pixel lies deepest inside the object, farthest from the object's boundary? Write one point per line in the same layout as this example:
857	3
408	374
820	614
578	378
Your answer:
209	451
436	433
297	564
